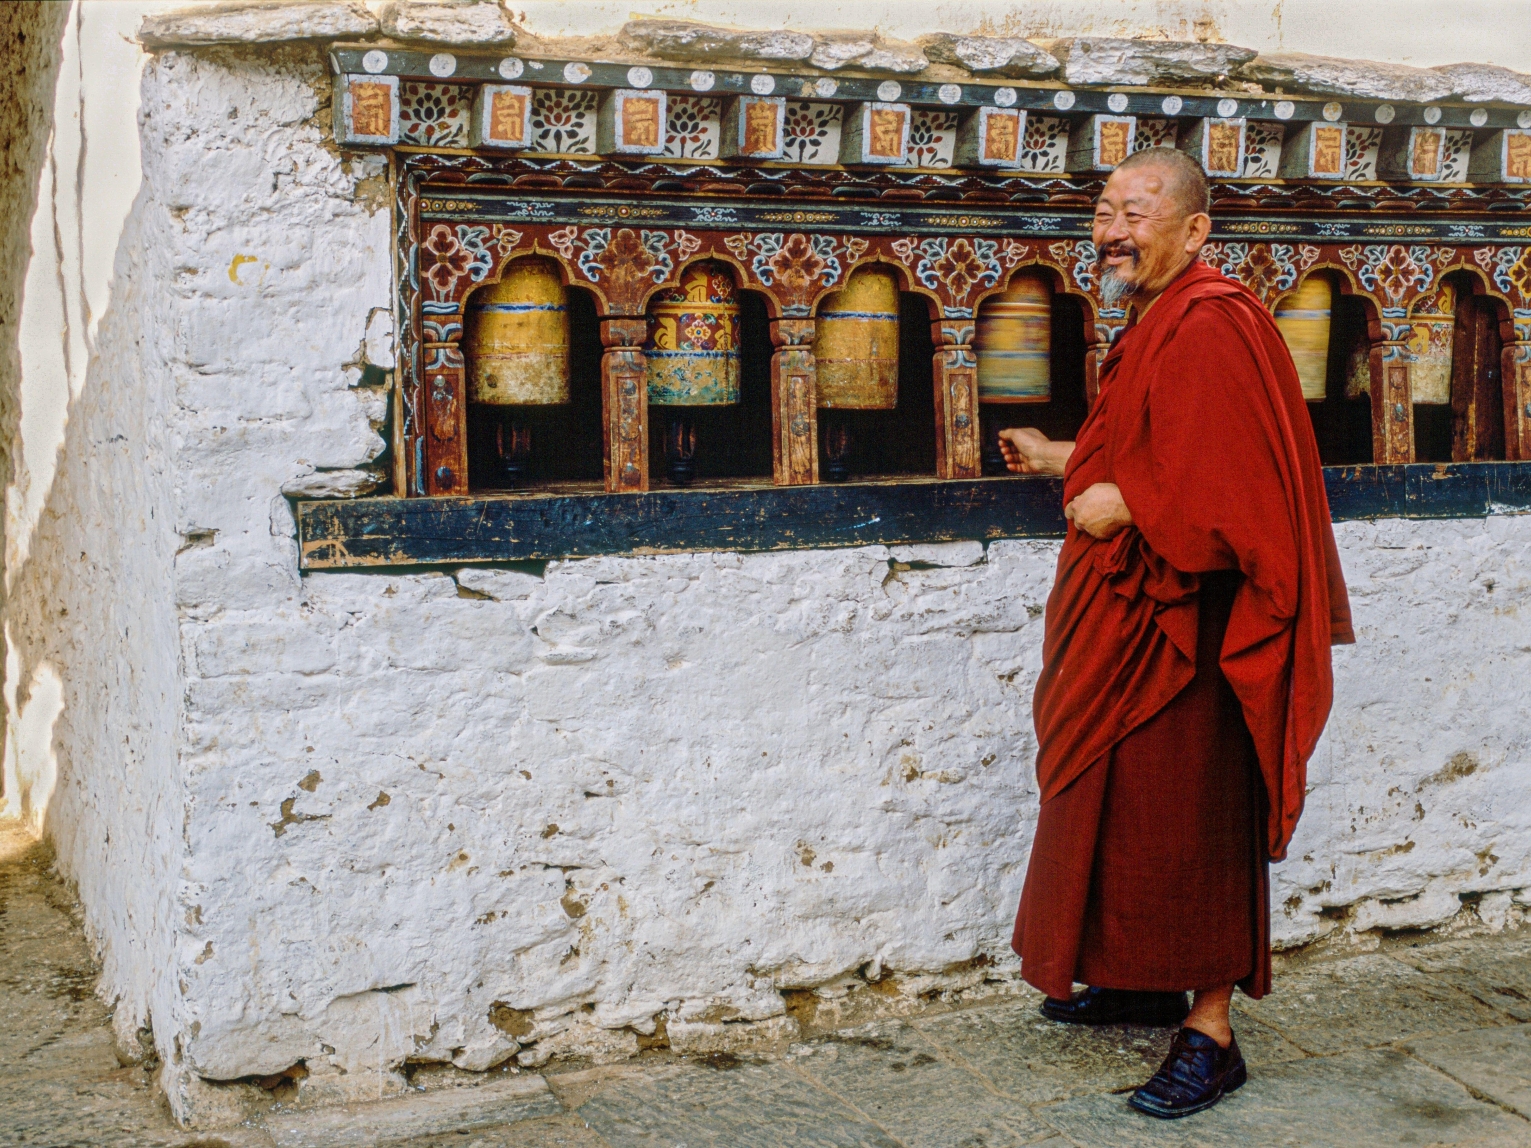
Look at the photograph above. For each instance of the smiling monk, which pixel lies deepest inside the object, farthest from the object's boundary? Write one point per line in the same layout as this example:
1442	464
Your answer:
1186	674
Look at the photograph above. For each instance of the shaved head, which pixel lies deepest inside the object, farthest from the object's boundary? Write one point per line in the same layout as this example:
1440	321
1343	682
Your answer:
1184	181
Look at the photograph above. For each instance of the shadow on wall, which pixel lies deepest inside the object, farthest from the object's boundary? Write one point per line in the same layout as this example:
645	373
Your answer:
31	770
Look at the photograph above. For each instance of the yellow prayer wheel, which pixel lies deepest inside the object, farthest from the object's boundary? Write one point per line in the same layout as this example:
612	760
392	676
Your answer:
1304	319
855	343
516	338
693	345
1014	343
1433	335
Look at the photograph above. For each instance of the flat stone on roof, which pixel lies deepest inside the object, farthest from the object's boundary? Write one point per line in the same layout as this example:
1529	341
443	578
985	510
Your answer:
1007	56
1103	60
257	23
1487	83
1328	76
449	22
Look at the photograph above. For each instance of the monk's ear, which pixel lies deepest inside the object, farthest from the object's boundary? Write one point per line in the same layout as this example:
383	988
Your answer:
1198	230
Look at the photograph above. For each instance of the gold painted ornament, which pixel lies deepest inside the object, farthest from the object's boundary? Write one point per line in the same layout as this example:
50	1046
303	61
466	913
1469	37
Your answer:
516	338
1014	343
855	343
1431	341
693	345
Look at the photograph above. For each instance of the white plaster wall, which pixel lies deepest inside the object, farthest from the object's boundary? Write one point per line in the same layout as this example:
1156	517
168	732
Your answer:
348	818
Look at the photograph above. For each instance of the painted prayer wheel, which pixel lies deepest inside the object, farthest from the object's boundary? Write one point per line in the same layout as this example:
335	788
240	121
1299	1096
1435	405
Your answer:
855	343
1430	342
693	345
516	338
1014	343
1304	317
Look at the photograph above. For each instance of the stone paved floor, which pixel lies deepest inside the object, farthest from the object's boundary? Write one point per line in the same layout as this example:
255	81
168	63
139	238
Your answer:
1422	1042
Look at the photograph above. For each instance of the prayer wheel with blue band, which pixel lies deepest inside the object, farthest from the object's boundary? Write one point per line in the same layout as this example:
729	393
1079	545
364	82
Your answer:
855	343
693	344
1304	318
1014	343
516	338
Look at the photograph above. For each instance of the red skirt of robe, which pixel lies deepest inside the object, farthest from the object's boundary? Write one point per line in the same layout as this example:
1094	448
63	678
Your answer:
1150	869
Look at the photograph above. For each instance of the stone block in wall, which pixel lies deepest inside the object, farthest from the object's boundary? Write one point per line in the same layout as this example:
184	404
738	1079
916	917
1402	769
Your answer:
693	127
631	122
1262	149
1218	145
1415	153
754	128
1099	143
448	22
812	132
876	133
257	23
1044	148
690	40
1329	76
563	121
990	55
1108	60
932	138
1314	151
367	110
1363	147
1487	83
990	138
1502	157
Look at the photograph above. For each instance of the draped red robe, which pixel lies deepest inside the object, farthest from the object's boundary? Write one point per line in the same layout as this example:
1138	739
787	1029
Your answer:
1201	423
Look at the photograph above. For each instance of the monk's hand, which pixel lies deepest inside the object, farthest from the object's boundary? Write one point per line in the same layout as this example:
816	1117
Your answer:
1099	511
1029	451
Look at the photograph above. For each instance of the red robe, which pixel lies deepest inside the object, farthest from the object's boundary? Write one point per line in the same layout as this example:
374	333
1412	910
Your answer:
1201	423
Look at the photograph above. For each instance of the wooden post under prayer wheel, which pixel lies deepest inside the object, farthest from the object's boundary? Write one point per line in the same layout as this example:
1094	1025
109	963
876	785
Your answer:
692	357
516	342
1014	345
855	349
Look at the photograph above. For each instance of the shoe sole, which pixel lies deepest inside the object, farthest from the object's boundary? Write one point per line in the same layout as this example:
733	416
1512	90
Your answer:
1235	1081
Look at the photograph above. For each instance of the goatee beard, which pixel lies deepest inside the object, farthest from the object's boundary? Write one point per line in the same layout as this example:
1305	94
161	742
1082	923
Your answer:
1114	289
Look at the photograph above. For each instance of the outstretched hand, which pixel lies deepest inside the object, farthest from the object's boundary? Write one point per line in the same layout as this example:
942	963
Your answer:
1100	511
1029	451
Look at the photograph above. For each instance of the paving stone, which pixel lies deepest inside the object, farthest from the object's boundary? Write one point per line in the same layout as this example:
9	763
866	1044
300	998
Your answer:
749	1106
1498	974
1355	1100
1494	1062
410	1117
913	1091
1363	1002
551	1132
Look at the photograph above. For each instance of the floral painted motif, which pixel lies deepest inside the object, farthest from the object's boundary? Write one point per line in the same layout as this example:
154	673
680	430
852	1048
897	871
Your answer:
1361	146
932	139
1396	271
693	127
1454	156
434	115
812	133
1154	133
453	253
796	265
1262	149
1509	267
958	268
563	121
624	262
1046	144
1078	259
1266	269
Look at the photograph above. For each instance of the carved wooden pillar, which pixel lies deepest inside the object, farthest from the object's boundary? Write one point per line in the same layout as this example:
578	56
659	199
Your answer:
1515	378
1392	396
624	404
445	426
794	404
958	437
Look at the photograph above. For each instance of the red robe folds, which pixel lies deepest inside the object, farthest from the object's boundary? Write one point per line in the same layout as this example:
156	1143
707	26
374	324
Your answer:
1200	422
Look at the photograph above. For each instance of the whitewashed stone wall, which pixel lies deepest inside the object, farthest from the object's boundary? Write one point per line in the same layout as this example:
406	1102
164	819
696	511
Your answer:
351	819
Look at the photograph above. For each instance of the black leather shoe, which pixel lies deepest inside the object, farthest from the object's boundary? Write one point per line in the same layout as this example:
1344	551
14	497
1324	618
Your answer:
1118	1006
1196	1074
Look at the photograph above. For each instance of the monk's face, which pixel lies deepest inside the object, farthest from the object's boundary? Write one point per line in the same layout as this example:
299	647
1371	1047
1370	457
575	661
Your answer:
1143	236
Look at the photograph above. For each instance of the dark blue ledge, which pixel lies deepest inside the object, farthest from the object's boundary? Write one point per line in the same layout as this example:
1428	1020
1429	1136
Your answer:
428	531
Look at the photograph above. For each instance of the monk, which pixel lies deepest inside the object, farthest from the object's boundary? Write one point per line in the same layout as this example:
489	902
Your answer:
1186	674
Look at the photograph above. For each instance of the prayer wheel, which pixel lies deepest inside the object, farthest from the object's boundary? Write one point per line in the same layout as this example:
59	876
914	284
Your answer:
1304	318
1431	340
516	338
693	345
1014	343
855	343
